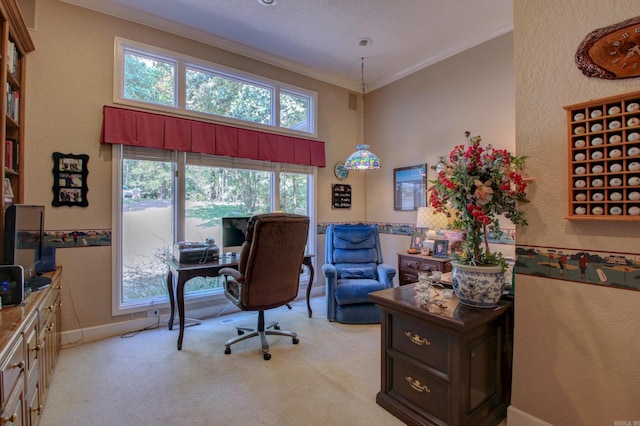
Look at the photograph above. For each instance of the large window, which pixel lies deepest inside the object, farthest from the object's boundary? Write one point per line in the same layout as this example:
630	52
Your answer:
167	196
168	81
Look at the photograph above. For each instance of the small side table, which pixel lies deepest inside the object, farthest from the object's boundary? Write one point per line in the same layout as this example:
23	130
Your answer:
409	265
309	264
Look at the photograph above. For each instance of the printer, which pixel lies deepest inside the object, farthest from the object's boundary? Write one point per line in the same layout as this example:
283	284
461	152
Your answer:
188	252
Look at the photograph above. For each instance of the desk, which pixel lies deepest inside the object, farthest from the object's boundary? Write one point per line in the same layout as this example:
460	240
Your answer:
211	269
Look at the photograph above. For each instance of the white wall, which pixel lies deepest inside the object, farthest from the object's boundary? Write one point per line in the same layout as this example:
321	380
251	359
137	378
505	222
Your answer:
576	345
423	116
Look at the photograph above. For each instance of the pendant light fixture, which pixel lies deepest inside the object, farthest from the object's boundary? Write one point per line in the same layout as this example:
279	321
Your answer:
362	159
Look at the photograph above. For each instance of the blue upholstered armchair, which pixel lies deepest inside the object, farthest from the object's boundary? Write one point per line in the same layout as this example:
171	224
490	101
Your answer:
353	269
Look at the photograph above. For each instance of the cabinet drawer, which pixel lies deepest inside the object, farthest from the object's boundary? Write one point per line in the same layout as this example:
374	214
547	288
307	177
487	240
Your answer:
33	350
424	344
12	369
425	392
408	277
409	263
425	266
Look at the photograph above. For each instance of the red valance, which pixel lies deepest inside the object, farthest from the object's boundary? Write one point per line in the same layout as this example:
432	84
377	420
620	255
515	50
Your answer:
150	130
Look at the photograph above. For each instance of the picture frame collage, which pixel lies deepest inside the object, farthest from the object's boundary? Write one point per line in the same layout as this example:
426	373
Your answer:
70	180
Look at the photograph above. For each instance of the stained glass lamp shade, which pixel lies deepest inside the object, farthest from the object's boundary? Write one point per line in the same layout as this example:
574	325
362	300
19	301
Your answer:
362	159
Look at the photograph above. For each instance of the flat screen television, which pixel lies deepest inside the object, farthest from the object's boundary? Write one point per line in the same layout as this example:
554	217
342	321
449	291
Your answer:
234	233
23	239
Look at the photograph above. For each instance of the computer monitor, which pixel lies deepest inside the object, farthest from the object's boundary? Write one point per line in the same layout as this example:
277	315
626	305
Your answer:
234	233
23	235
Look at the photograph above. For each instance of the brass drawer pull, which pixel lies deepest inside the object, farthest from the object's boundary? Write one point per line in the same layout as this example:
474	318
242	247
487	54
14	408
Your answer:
19	365
415	384
10	419
415	338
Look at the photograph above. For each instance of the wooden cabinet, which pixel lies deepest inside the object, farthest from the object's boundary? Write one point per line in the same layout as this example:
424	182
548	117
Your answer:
15	44
604	158
410	264
29	347
448	365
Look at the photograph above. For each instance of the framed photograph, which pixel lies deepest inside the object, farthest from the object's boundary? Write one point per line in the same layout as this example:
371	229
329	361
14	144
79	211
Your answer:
70	180
8	190
410	187
417	238
441	248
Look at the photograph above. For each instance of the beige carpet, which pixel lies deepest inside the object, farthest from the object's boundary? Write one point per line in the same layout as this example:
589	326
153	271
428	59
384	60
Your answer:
330	378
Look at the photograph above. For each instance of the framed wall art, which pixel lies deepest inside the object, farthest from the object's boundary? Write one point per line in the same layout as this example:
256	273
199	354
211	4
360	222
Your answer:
70	180
410	187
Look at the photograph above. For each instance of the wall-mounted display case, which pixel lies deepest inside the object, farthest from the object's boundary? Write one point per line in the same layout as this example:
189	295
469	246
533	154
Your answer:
604	158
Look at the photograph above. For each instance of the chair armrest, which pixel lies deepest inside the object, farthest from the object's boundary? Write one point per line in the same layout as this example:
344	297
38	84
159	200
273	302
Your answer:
386	274
233	273
329	270
330	283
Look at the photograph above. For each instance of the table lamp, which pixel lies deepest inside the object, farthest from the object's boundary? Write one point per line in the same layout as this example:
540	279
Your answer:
432	220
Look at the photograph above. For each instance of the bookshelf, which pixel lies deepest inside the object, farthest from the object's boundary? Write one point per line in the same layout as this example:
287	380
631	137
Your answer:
15	44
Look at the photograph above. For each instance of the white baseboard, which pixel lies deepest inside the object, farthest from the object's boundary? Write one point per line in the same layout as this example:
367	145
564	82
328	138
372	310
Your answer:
90	334
516	417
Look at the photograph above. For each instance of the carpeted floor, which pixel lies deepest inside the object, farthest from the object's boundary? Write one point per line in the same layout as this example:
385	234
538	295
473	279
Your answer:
330	378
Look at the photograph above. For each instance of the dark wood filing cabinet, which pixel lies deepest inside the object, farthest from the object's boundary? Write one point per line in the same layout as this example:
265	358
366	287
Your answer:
410	264
444	366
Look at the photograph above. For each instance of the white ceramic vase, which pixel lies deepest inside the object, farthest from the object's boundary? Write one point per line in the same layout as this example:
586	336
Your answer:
478	286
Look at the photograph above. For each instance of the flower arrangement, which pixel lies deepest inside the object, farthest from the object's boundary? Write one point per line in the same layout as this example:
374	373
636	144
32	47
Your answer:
480	184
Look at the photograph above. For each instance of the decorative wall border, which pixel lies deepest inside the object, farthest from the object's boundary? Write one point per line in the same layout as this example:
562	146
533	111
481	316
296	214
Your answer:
609	269
508	236
77	238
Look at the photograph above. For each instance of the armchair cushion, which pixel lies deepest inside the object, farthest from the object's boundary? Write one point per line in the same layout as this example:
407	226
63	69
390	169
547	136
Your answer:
350	291
358	273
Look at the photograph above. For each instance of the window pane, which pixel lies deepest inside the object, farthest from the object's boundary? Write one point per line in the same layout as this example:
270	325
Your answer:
149	79
294	194
294	111
213	193
147	237
215	94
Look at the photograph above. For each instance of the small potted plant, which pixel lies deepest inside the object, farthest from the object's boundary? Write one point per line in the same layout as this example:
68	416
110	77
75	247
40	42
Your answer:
478	186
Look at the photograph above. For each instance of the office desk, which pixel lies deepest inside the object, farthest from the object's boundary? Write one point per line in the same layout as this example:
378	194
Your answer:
184	273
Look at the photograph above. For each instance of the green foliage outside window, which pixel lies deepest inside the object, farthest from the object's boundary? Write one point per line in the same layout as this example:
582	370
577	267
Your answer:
149	80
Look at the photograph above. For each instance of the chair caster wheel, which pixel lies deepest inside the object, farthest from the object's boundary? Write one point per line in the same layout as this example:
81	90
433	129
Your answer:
240	332
266	356
227	351
276	327
295	340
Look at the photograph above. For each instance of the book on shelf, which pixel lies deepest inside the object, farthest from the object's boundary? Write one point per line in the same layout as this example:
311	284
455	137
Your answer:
13	103
13	57
8	155
12	154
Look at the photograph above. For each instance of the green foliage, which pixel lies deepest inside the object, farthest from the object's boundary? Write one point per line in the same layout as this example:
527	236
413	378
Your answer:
293	111
149	80
227	97
479	185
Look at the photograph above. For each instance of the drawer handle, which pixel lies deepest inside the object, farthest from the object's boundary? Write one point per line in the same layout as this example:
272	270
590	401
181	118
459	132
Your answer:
10	419
415	338
416	385
19	365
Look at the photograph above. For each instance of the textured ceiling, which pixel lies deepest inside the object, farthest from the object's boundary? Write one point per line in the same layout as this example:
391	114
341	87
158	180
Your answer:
320	38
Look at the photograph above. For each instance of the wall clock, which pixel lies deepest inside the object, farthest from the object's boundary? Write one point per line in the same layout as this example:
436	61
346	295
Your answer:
340	170
612	52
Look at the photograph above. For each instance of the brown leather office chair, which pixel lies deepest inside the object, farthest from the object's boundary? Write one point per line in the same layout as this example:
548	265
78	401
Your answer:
268	272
